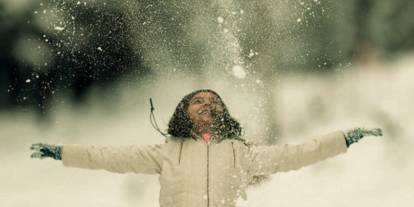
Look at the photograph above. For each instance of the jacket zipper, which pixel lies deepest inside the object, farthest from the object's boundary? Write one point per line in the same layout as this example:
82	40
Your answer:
234	155
208	193
179	155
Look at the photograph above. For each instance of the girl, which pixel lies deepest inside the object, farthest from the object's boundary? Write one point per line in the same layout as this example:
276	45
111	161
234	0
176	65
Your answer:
204	161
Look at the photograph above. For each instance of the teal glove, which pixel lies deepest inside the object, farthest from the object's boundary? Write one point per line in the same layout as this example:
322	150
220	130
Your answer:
355	134
43	150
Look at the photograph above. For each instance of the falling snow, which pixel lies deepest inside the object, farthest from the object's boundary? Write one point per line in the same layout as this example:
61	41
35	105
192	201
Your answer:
57	28
220	20
239	72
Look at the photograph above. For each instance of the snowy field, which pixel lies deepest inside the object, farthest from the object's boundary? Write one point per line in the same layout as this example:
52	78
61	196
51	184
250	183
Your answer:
375	172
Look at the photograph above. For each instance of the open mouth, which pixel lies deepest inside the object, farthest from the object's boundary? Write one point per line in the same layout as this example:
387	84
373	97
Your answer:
204	111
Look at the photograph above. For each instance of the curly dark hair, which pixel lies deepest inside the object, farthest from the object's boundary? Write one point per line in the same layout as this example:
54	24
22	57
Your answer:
180	124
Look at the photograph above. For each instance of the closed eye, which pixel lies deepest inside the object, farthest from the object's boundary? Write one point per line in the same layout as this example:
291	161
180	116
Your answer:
197	100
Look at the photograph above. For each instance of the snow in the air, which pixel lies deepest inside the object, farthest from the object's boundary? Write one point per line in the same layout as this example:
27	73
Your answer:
220	20
252	53
58	28
239	72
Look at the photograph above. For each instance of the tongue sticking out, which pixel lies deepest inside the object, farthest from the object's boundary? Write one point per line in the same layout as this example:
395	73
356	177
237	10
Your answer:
206	136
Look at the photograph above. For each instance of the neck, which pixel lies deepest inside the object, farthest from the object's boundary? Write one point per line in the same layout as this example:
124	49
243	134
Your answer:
204	133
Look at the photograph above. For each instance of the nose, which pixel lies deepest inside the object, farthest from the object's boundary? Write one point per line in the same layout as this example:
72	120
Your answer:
207	102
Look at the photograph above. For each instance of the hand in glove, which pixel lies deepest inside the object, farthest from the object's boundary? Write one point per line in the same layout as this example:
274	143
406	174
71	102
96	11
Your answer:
43	150
355	134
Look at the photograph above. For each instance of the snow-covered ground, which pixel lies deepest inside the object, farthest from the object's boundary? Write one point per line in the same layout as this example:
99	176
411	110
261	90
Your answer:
375	172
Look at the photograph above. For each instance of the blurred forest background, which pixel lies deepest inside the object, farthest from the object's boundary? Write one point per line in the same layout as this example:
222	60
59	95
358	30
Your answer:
83	71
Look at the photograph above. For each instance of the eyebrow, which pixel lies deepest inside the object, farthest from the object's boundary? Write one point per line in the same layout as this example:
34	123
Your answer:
201	98
195	98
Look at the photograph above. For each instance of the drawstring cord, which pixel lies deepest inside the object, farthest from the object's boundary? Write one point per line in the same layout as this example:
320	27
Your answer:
154	121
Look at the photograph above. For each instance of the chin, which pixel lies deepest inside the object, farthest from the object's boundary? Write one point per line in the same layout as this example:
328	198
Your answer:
206	122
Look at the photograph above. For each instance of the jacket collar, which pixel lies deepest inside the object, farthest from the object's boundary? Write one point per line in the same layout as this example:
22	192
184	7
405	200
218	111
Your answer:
215	138
196	136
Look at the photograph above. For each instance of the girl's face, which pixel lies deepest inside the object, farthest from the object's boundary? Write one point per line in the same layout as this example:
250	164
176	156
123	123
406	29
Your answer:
203	108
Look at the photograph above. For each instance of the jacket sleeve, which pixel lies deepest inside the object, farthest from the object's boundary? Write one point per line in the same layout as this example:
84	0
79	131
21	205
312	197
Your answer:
137	159
267	160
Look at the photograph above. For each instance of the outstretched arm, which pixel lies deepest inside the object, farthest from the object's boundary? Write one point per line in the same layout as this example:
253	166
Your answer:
266	160
137	159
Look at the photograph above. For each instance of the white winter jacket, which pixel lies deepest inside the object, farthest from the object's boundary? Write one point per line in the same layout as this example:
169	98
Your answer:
193	173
